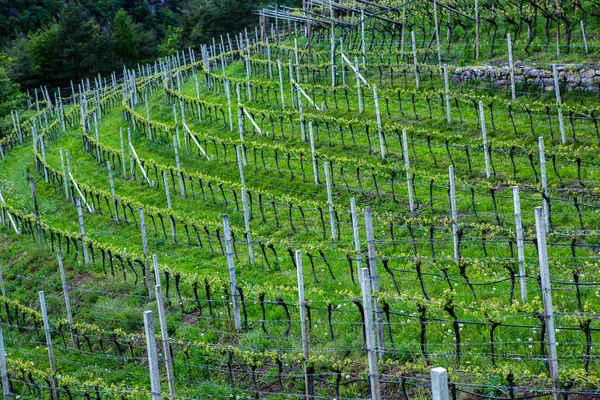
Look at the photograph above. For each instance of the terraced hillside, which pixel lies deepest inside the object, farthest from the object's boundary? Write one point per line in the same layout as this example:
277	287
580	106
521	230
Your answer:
350	153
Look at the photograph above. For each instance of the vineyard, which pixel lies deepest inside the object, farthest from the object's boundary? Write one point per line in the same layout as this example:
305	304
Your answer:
327	206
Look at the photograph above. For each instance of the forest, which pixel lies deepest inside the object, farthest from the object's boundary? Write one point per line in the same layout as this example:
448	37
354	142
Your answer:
51	42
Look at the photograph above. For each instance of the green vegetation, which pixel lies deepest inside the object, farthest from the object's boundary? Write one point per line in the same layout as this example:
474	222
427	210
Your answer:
445	299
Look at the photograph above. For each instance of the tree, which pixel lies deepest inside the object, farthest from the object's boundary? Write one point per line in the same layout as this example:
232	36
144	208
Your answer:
126	41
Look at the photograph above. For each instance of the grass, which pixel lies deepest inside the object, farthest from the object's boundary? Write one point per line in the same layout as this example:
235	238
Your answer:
487	247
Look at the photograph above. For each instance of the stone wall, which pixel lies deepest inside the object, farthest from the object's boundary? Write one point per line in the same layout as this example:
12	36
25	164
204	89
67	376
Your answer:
571	77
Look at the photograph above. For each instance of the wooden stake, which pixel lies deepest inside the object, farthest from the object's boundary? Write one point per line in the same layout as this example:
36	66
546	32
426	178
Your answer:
281	84
46	322
229	109
437	34
477	23
362	37
176	149
411	200
379	129
544	182
585	45
308	378
372	261
3	370
148	116
131	159
439	384
315	163
239	151
330	200
520	249
162	317
270	66
358	91
152	356
371	346
415	63
147	270
64	173
486	153
38	224
123	162
561	123
231	269
168	194
139	163
453	212
511	67
447	94
547	299
355	236
112	191
67	300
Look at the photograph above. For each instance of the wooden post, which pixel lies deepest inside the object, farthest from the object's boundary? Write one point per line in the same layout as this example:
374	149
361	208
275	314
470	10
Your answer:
229	109
411	200
168	194
301	113
148	116
511	67
437	34
447	94
540	231
139	163
186	136
362	37
344	84
123	162
329	200
131	160
332	50
162	317
453	212
82	231
520	249
378	119
112	191
231	270
199	108
147	270
439	384
355	237
585	45
66	295
561	123
372	261
315	163
3	370
239	151
477	23
371	346
486	153
308	378
557	28
43	149
152	356
64	173
48	334
358	91
544	182
281	84
415	64
269	59
38	224
176	149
